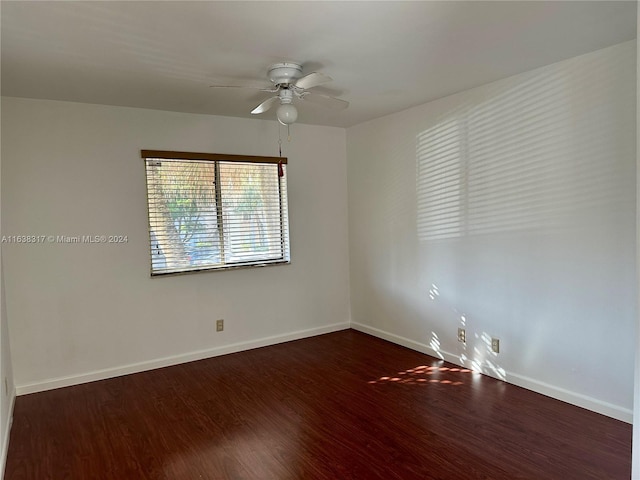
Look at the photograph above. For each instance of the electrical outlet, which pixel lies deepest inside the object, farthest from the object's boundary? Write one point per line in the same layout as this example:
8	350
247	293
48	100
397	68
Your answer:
219	325
495	345
462	335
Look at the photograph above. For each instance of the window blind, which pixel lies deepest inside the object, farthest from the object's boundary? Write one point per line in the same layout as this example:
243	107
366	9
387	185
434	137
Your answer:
212	211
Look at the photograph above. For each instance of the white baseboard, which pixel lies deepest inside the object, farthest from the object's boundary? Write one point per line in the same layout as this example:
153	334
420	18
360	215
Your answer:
583	401
7	433
50	384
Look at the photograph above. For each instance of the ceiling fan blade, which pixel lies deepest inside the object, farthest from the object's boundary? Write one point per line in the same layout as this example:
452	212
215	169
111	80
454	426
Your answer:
264	106
262	89
326	101
312	80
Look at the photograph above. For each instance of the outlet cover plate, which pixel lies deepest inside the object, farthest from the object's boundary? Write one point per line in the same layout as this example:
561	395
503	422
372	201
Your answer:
462	335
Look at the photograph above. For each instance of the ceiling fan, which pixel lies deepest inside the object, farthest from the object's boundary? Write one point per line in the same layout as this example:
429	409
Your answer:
289	84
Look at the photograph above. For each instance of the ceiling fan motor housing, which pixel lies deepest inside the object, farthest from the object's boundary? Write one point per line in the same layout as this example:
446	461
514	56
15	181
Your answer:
286	96
284	73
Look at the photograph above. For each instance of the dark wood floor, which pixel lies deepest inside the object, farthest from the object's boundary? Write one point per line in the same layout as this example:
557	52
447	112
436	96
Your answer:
339	406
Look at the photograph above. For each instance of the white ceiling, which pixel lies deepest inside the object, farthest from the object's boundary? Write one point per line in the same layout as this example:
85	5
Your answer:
383	56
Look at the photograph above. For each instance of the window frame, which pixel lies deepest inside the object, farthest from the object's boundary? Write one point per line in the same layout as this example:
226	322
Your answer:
216	158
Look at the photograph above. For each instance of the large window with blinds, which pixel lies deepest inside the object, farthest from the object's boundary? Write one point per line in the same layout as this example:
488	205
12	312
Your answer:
215	211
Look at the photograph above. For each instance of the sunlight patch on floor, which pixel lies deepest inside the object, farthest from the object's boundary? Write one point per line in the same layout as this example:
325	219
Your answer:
424	375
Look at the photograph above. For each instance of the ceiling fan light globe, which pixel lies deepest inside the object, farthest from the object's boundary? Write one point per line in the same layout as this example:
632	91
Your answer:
287	114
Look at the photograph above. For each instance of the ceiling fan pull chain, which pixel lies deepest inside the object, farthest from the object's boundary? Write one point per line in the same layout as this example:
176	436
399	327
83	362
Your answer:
288	133
279	141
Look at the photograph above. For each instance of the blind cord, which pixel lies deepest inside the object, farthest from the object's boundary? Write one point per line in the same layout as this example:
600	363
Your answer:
280	137
280	169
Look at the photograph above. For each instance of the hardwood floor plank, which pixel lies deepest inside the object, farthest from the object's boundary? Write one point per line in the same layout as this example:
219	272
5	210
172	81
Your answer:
334	407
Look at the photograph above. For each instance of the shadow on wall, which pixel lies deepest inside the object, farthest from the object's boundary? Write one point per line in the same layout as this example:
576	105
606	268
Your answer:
534	156
546	153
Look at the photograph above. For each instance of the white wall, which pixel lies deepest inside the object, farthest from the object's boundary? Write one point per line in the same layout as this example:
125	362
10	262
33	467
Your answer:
79	312
508	209
7	391
635	458
7	395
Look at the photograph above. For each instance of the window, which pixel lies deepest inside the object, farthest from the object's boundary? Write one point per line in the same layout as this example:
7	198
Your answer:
214	211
